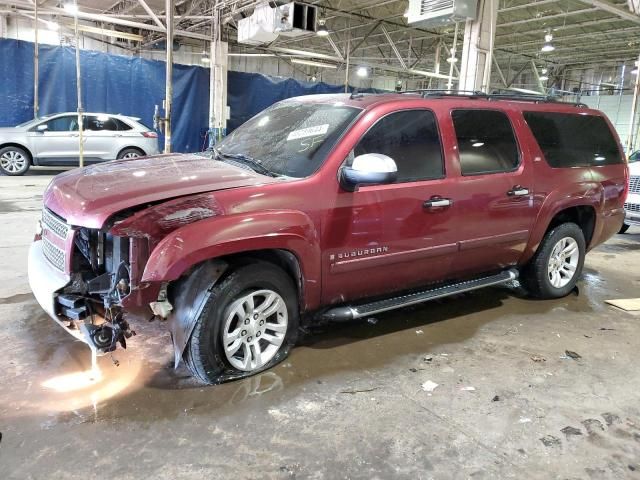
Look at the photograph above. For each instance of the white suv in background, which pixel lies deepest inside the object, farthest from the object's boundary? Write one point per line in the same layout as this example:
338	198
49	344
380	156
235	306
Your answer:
52	140
632	204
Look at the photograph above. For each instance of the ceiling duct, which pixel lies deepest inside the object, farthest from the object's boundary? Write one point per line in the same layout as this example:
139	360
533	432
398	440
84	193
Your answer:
294	19
266	23
258	28
436	13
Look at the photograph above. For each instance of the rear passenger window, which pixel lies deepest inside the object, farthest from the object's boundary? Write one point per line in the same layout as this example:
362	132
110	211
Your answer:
486	143
411	139
573	140
100	123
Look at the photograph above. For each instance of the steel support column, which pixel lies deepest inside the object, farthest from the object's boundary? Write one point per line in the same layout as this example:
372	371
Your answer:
217	84
36	61
79	91
169	76
634	108
477	50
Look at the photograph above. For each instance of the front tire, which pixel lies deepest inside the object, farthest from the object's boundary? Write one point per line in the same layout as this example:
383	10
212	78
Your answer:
14	161
557	265
248	325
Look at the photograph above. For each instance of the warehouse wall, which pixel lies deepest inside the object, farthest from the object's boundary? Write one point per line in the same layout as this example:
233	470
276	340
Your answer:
22	29
133	86
618	109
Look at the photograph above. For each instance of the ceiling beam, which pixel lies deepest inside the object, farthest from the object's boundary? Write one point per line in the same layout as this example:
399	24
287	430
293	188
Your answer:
607	7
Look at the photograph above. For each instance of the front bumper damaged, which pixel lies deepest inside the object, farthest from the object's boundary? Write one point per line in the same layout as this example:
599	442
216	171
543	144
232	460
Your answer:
46	282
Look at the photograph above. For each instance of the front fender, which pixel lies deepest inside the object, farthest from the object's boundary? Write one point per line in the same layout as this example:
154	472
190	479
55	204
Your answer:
231	234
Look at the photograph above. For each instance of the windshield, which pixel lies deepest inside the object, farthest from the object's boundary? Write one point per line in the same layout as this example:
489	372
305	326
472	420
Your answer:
289	138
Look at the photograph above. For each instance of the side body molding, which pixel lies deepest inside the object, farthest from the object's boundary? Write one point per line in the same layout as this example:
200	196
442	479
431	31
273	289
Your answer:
215	237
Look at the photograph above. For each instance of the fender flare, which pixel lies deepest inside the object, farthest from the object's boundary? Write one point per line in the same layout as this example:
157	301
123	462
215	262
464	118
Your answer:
556	202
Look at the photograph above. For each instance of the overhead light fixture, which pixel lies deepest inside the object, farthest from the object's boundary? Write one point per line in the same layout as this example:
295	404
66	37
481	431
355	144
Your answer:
362	72
53	26
635	69
205	59
322	29
71	8
544	78
544	71
452	59
313	63
314	79
548	46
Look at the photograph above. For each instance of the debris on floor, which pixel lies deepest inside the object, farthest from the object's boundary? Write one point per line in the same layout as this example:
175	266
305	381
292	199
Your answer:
468	389
626	304
524	420
428	358
364	390
610	418
496	398
538	358
573	355
429	386
419	332
550	441
593	425
571	431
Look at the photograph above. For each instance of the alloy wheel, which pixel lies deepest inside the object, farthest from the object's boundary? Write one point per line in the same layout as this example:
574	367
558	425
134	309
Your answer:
12	161
563	262
254	329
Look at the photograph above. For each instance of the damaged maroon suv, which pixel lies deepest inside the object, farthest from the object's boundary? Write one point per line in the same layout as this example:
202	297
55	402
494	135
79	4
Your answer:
327	207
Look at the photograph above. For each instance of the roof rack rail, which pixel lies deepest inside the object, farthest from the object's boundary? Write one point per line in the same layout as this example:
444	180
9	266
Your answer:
499	94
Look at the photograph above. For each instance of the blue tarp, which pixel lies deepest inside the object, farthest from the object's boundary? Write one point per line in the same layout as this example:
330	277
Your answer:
132	86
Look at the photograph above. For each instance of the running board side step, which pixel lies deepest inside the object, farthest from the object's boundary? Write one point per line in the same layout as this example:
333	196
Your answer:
351	312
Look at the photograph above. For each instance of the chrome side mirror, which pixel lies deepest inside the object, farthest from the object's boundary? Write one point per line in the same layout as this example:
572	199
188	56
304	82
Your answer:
368	169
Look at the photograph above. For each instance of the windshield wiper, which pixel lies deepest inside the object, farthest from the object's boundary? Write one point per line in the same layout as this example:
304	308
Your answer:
252	163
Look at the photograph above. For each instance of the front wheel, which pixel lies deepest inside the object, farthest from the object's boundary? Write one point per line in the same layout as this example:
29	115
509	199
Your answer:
14	161
557	265
248	324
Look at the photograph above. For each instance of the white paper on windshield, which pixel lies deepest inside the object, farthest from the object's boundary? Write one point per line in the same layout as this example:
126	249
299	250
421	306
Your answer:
308	132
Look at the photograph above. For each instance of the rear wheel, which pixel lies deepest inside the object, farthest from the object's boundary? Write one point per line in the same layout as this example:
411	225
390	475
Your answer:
624	228
130	153
557	265
248	324
14	161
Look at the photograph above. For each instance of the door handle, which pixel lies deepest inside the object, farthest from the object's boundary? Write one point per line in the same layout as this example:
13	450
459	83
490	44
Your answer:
518	191
435	202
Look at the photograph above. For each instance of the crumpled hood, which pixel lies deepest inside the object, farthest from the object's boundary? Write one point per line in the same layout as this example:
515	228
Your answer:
89	196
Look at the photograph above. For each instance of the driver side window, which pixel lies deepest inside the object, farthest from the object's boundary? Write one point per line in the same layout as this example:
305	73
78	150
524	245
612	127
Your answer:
411	139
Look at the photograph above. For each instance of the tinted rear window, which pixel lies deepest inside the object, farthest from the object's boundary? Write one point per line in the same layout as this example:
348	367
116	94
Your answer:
573	140
485	141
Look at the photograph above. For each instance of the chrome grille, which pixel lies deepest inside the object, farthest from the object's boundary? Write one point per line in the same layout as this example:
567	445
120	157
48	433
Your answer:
58	227
53	254
632	207
54	223
634	184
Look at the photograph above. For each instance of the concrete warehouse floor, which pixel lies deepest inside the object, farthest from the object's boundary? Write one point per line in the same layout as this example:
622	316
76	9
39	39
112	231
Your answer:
348	403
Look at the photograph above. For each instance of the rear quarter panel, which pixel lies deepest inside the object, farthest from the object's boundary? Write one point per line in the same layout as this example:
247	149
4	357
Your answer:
556	189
